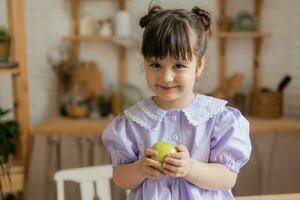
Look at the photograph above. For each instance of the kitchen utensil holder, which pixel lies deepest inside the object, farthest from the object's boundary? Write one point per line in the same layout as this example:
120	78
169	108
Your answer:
266	104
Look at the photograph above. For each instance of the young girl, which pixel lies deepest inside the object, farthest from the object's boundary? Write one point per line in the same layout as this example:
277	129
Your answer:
212	139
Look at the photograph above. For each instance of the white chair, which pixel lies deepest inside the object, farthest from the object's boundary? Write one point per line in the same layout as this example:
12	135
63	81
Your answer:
94	181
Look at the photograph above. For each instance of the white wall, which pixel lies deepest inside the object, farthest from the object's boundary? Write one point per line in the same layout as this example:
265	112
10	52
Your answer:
48	20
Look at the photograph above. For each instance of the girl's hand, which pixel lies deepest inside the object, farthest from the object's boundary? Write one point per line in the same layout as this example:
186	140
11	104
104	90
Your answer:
150	168
177	164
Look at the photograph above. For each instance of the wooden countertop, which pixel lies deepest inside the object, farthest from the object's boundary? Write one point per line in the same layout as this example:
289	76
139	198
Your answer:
69	126
292	196
280	125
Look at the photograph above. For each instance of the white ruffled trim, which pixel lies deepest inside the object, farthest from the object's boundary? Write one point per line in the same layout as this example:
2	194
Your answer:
149	113
140	122
207	107
197	113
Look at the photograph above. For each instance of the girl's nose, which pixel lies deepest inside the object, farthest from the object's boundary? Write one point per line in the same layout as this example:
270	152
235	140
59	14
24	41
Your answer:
167	76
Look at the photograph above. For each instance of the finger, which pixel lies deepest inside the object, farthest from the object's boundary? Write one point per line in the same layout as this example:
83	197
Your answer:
178	155
173	161
153	173
171	168
150	152
181	148
171	173
153	163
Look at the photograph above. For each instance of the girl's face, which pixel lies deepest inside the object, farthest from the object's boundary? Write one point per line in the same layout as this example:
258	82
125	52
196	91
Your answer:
173	80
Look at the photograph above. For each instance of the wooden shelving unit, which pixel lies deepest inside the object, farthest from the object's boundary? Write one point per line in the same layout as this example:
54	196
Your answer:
257	37
19	75
63	125
10	71
283	124
75	39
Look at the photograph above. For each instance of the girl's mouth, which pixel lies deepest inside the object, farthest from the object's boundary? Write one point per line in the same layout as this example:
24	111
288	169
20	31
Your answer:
167	88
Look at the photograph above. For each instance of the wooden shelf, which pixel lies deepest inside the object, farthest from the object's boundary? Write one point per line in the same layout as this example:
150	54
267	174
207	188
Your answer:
69	126
242	34
95	38
280	125
9	70
15	181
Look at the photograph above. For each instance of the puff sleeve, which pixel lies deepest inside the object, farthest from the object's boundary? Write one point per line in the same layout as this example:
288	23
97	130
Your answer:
119	140
230	141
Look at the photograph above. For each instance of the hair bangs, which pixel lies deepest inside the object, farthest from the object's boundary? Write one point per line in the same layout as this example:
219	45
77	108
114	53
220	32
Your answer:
167	36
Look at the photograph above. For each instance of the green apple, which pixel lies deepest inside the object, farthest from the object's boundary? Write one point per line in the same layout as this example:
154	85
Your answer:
163	148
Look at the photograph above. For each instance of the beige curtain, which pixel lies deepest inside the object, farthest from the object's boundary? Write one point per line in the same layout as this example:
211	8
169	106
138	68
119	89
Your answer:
50	153
274	166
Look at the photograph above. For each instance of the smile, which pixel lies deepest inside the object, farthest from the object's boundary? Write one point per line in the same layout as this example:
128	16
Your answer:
167	88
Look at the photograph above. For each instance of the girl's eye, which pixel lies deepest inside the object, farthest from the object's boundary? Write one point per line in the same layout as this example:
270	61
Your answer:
179	66
155	65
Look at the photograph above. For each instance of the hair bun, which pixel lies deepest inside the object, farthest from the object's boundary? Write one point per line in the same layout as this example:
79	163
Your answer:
204	16
152	12
155	9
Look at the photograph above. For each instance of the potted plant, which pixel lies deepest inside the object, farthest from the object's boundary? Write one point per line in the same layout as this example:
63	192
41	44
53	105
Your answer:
4	45
9	141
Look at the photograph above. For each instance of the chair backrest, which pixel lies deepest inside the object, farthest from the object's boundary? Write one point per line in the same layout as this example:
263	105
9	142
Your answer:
94	181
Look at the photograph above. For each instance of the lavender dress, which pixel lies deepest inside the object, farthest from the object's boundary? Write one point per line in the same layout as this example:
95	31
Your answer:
212	132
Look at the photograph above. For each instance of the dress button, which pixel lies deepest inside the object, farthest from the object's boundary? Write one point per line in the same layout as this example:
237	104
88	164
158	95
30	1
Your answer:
175	137
173	118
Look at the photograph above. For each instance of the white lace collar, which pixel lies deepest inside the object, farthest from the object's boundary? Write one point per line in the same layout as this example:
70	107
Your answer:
147	114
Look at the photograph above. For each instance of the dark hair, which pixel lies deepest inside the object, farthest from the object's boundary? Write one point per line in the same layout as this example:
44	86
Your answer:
169	32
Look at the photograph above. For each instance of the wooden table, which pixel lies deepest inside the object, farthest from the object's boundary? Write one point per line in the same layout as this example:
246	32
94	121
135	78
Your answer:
293	196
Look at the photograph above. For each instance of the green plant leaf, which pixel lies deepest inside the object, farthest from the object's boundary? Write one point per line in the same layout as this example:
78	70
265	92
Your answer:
9	137
4	35
3	112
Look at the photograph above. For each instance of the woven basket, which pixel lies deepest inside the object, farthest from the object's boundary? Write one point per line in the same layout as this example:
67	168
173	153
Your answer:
266	104
238	101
